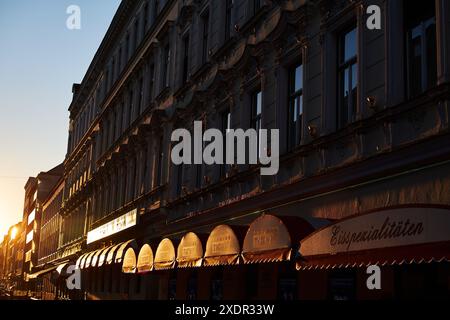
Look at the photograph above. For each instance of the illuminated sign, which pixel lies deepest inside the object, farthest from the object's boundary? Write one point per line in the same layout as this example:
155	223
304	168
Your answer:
117	225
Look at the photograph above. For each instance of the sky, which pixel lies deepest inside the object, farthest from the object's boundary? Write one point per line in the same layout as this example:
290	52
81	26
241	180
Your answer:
40	59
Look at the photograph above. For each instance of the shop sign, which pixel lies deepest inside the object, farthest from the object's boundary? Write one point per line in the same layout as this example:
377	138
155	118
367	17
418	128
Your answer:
117	225
381	229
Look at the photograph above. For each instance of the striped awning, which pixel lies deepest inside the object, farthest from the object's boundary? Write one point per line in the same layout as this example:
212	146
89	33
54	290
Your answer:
120	254
223	246
190	251
103	255
271	239
145	259
80	260
112	253
129	261
165	257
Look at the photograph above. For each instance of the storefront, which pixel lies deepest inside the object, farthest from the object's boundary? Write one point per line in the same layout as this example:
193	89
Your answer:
411	245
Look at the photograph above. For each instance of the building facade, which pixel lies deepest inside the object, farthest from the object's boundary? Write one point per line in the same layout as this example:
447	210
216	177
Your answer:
363	119
11	260
37	189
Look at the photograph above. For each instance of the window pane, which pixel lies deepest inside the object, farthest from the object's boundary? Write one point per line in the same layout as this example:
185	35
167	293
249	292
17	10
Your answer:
350	50
431	52
299	78
258	103
346	81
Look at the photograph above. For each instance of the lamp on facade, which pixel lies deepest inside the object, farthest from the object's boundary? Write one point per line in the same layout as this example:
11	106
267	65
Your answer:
372	102
312	130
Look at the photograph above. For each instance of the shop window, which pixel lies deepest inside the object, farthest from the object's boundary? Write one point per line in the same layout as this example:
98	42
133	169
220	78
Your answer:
252	281
347	76
172	290
295	106
192	286
287	283
421	53
217	284
342	285
138	283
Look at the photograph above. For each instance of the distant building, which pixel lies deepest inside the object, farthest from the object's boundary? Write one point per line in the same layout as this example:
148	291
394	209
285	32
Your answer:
36	192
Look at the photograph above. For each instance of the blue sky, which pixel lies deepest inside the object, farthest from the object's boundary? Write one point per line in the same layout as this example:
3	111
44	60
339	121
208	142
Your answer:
40	59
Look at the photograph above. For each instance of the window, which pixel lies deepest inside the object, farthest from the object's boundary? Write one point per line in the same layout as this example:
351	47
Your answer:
106	84
166	66
142	188
127	47
29	236
228	18
140	105
151	82
31	216
256	109
119	60
205	35
130	107
199	167
225	126
113	71
136	34
155	9
421	70
185	75
132	193
255	6
347	77
295	106
180	177
145	13
160	162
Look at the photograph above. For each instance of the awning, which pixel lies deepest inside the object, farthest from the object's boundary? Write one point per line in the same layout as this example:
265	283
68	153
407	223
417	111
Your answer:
165	255
103	255
145	259
80	260
122	249
60	267
112	253
91	260
40	273
96	257
386	237
87	262
129	261
190	251
222	247
270	238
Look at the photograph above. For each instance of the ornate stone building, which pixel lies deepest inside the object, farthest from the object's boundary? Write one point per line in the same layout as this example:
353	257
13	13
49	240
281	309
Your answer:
364	127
